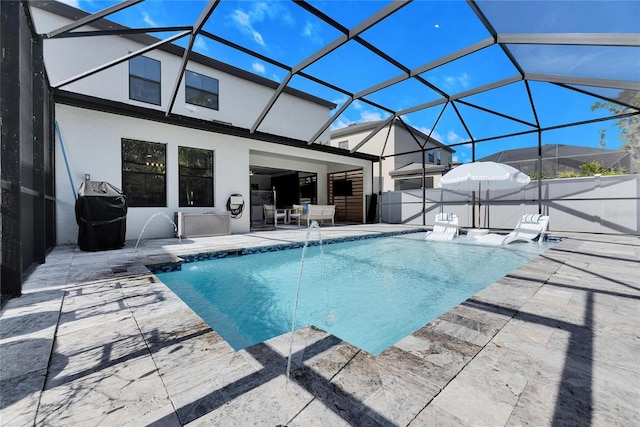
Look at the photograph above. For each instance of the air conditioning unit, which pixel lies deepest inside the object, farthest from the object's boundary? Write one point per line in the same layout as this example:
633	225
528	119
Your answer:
203	224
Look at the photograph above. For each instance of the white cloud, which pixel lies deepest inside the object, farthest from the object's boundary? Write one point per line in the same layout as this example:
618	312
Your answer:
271	10
450	138
462	154
147	19
340	123
243	22
364	116
258	67
464	80
370	116
341	100
453	137
457	82
201	45
435	135
246	21
310	31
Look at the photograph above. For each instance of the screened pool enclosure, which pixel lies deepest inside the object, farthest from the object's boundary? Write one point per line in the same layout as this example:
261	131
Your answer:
491	72
479	76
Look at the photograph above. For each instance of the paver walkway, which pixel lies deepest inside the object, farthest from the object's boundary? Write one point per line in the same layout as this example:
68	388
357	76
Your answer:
98	340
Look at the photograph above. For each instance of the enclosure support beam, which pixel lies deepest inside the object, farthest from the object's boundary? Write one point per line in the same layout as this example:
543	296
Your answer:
202	19
372	134
119	60
92	18
11	273
39	108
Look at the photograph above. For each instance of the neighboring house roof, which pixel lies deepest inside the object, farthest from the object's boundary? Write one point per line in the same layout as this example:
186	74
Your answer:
369	126
416	168
355	128
557	157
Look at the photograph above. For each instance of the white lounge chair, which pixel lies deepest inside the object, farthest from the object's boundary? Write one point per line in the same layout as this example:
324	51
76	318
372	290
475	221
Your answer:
444	228
530	227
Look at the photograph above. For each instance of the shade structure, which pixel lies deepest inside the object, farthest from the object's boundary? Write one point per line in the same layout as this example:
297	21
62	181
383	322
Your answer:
491	175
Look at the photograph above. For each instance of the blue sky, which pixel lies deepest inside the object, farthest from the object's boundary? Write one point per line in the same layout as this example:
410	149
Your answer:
415	35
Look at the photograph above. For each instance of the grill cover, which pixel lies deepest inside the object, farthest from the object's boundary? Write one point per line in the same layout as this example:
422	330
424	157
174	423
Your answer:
101	214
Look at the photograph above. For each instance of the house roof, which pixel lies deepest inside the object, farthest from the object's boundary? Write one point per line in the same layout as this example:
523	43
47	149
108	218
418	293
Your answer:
372	125
119	108
416	168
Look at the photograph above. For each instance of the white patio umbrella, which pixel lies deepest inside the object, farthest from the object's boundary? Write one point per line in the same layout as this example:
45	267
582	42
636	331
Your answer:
491	175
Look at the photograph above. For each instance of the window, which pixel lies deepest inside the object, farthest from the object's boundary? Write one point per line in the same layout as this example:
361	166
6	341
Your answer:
195	168
144	173
201	90
412	183
308	187
439	159
144	80
344	145
430	156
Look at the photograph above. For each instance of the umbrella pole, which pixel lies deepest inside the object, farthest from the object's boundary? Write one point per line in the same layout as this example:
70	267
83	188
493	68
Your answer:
479	198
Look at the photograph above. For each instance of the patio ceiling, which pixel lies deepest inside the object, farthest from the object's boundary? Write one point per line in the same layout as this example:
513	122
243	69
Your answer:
497	69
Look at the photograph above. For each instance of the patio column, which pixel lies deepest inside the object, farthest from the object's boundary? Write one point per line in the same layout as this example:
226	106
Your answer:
12	135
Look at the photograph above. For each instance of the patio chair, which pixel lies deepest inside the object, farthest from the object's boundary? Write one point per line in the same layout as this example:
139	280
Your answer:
296	213
273	214
530	227
444	228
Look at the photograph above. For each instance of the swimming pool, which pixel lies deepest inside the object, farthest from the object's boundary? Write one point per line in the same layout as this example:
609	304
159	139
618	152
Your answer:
370	293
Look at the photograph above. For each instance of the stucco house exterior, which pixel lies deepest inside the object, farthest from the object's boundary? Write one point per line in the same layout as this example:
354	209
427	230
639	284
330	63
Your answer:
403	149
187	154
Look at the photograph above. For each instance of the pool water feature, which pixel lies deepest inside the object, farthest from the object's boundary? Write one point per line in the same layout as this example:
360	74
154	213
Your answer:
372	293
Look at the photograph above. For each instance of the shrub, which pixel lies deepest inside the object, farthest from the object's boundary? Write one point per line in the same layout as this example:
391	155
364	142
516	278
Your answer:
590	169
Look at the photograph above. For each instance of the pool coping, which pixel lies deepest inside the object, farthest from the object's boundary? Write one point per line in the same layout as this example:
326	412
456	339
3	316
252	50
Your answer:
175	265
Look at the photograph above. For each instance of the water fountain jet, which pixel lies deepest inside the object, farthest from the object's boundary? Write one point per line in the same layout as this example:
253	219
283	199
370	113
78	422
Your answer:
175	229
313	226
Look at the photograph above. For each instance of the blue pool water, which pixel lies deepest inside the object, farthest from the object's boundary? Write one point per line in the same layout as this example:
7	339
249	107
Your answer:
370	293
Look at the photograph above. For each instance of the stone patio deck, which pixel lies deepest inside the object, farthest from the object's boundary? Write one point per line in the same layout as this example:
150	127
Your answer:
96	339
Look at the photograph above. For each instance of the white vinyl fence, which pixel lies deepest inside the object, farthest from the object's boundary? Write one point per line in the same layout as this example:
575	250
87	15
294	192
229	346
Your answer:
599	204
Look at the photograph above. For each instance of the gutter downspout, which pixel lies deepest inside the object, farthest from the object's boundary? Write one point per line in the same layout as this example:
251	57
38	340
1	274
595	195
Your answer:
66	161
